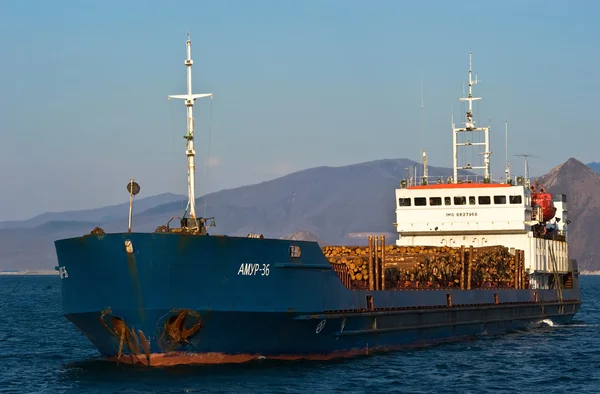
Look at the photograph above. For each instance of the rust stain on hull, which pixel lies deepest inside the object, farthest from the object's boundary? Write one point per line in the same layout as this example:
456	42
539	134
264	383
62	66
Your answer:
135	282
175	327
127	337
211	358
182	358
145	345
177	330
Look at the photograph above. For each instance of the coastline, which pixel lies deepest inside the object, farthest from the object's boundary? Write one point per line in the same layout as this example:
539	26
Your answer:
28	272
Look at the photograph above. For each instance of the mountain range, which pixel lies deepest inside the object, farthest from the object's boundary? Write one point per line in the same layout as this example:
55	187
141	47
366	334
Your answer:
331	205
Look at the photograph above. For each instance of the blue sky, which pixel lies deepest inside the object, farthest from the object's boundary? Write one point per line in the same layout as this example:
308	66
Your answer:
297	85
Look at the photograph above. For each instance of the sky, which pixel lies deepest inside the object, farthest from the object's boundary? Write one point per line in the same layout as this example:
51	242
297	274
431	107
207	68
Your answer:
296	85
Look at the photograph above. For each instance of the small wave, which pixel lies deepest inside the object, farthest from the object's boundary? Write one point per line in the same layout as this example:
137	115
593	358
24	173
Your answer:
583	325
548	322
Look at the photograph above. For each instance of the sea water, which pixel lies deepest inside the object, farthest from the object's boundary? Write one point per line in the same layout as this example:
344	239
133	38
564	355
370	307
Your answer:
40	351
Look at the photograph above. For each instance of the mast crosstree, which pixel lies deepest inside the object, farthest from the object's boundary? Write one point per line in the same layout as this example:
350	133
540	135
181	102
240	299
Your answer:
189	99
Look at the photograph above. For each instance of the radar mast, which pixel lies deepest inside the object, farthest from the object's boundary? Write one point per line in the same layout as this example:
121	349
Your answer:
469	126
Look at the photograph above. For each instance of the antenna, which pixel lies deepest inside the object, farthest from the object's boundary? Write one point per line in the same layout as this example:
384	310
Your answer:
469	126
415	172
507	170
189	136
506	138
526	155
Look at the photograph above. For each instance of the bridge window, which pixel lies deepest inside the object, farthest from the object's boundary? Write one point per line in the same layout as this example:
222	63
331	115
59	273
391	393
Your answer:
499	199
484	200
404	202
447	200
460	200
435	200
420	201
515	199
472	200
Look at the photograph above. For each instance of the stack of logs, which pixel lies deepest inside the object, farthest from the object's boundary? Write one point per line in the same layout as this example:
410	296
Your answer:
386	267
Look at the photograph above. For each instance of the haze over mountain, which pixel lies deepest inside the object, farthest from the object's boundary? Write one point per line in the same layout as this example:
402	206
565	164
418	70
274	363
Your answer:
332	205
581	184
104	214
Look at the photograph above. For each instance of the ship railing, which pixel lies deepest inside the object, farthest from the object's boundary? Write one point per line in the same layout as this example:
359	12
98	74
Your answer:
431	180
559	235
343	273
447	285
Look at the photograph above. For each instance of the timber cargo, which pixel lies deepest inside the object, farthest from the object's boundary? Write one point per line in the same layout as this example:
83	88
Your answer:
427	266
473	256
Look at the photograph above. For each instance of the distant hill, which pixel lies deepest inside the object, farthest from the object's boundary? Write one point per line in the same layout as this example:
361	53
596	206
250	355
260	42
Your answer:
99	215
581	184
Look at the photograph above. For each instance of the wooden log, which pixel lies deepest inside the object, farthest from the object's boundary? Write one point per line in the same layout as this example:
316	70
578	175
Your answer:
371	280
381	263
470	267
375	261
517	269
462	267
522	269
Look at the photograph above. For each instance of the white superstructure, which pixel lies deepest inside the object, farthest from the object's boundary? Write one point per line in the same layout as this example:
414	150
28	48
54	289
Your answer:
455	212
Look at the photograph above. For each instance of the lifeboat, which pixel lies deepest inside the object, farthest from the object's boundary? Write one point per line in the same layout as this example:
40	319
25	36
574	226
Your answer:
539	198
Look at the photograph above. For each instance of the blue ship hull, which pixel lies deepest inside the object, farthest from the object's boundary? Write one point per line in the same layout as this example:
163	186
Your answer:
168	298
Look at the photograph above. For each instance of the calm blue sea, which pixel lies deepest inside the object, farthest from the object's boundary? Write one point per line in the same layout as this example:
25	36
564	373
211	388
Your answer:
41	352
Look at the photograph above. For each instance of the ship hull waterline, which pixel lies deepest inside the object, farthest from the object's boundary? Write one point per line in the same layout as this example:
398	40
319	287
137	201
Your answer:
166	299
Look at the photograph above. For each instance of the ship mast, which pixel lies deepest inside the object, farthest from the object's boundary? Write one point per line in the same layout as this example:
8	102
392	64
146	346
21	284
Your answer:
189	136
507	168
525	156
470	127
425	178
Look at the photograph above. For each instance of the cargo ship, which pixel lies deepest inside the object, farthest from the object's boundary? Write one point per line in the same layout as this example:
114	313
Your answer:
472	257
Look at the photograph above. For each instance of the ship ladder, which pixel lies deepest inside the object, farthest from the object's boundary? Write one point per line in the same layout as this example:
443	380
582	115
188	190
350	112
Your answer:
557	283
